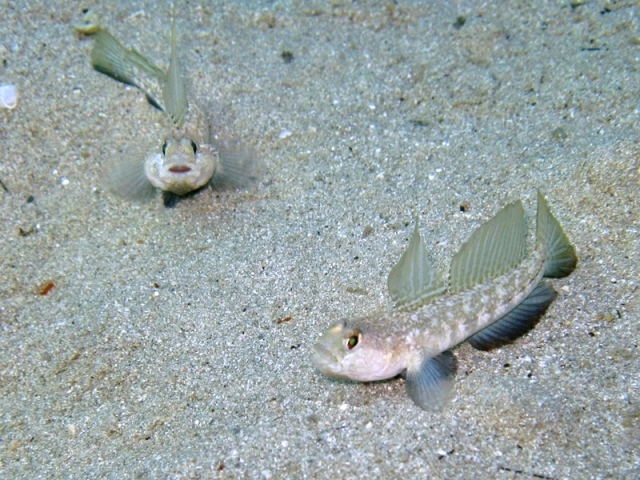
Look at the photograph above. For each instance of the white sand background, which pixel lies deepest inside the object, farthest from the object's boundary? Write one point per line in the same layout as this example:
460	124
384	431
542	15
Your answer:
175	343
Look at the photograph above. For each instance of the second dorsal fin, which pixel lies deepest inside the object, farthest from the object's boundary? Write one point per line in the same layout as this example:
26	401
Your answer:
495	248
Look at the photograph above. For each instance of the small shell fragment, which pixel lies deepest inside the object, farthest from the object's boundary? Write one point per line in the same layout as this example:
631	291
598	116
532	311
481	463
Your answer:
8	96
90	23
284	133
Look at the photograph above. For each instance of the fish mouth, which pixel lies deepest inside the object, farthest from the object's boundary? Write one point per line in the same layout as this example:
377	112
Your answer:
318	355
324	359
179	169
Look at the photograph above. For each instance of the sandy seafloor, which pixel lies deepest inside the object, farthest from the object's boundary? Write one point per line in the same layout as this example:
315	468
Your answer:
175	343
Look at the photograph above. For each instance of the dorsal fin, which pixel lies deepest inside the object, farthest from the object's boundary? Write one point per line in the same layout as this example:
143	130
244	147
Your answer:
495	248
413	281
110	57
175	92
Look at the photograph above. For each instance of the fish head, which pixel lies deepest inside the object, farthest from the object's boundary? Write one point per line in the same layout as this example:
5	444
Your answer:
183	165
348	352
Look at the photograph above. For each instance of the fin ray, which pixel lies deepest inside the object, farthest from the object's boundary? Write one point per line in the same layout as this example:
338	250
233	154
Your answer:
175	92
110	57
126	177
560	253
430	387
413	281
237	165
169	199
517	322
494	249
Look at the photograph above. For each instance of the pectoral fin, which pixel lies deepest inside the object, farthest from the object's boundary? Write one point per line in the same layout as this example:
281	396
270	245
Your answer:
431	385
126	177
517	322
237	165
413	281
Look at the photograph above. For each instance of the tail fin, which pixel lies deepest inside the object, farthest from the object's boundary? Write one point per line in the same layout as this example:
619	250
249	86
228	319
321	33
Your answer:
560	253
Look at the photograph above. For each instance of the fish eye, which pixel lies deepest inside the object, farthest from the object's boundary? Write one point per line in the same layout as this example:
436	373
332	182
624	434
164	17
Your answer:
353	339
194	146
164	147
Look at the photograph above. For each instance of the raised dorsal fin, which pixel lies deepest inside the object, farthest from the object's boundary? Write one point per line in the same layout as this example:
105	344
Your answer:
174	93
495	248
110	57
413	281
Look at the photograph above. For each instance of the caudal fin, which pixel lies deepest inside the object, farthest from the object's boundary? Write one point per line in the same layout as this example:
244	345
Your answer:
560	253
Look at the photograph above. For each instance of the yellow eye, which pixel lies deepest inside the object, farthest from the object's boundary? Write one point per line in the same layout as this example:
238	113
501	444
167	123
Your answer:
353	340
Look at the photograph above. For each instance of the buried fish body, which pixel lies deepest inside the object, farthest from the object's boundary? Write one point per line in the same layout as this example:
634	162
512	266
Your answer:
188	158
495	293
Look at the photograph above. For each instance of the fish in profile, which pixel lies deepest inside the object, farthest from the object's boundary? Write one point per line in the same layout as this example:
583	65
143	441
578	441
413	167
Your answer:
495	293
188	158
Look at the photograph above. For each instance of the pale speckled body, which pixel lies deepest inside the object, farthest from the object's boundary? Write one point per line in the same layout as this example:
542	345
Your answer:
409	337
494	294
188	159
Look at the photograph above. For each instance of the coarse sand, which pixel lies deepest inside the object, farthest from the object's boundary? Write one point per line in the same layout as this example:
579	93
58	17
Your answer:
138	341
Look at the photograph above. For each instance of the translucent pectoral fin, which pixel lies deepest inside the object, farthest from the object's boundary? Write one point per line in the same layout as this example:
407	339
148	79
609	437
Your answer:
517	322
126	177
430	387
238	165
413	281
